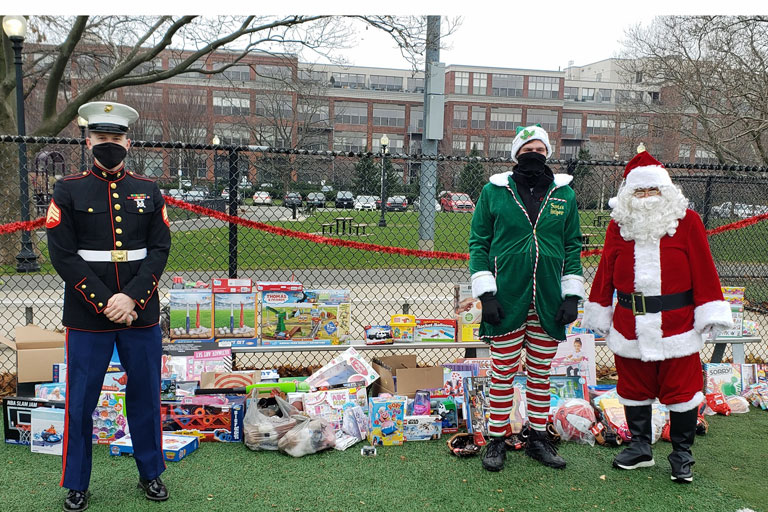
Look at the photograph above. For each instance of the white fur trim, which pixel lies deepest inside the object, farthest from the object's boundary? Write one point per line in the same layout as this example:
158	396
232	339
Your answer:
597	317
483	282
572	284
612	202
539	133
563	179
648	176
687	406
716	313
678	345
648	281
501	179
634	403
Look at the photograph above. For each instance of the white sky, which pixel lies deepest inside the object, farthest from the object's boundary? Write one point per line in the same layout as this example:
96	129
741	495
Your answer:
506	33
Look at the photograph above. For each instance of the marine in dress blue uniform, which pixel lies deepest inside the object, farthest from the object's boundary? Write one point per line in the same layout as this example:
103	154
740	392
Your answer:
109	239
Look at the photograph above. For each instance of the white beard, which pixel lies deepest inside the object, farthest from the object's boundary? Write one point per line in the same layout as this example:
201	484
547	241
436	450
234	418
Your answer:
645	219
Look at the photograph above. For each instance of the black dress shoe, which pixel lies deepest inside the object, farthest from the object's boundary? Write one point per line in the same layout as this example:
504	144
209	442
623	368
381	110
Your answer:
154	489
76	501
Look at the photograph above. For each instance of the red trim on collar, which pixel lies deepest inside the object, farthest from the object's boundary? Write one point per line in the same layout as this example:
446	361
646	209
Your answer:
101	169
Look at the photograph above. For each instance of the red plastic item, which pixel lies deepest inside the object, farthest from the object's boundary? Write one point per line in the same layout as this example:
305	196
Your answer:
717	402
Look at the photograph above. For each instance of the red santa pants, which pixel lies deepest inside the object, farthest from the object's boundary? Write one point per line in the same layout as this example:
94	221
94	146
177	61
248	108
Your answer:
674	381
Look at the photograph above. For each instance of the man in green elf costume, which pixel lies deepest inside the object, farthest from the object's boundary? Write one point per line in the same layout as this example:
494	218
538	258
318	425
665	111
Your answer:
525	261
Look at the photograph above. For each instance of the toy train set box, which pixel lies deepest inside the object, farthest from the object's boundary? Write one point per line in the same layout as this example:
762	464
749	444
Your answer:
175	447
47	430
234	312
17	417
210	417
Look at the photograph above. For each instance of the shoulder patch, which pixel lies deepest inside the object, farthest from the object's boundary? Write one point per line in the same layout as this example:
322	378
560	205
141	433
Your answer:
165	216
53	217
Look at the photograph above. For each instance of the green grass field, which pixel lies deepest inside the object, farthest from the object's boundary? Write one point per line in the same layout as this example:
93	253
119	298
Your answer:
729	475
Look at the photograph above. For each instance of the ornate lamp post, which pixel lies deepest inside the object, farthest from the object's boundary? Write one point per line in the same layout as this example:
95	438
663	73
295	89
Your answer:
384	143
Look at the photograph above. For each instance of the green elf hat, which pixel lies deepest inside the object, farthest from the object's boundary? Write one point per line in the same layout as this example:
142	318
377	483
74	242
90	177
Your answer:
526	134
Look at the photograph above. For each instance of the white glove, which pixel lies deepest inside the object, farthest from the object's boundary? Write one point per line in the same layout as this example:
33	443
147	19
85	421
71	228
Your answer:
711	331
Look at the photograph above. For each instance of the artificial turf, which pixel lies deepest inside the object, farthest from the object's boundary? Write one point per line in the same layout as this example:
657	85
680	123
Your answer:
729	475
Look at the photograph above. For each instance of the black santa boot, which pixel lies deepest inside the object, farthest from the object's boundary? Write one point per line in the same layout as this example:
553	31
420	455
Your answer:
638	454
682	432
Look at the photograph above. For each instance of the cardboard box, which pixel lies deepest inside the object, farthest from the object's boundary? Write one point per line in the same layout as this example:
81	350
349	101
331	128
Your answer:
226	285
175	447
17	417
37	350
400	375
223	423
422	428
191	313
47	430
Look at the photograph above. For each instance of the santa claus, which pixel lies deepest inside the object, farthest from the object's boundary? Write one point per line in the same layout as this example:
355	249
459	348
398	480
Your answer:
657	260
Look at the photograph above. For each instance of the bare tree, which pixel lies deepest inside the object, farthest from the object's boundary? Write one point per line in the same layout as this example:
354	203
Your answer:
713	76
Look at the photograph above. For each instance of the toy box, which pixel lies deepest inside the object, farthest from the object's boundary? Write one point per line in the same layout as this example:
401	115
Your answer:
403	327
17	417
454	375
109	418
348	369
724	378
422	428
234	315
186	361
59	373
386	420
445	407
211	422
434	329
327	296
51	391
561	387
330	404
468	312
378	335
576	358
735	297
47	430
483	364
477	404
191	313
175	447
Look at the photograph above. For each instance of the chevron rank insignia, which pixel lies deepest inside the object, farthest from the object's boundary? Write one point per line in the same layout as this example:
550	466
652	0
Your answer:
165	217
53	218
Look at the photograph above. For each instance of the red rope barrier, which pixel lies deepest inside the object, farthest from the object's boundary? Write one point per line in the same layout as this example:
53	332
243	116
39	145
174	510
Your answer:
301	235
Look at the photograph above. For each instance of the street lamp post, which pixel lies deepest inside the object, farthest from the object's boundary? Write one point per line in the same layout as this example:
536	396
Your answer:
384	143
215	141
82	123
15	27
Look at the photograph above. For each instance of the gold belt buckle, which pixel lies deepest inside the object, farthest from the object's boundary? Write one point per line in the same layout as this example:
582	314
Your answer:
635	311
119	256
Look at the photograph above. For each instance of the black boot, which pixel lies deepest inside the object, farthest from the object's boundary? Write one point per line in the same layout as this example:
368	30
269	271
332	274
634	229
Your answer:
154	489
495	452
76	501
638	454
682	432
540	447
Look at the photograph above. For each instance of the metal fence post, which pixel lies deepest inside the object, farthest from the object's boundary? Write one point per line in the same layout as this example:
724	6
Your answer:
707	201
234	197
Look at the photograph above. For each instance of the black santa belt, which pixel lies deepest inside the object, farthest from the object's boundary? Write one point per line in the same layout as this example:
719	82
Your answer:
641	304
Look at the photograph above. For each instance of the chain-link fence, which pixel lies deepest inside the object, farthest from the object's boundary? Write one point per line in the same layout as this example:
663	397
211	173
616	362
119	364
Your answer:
337	195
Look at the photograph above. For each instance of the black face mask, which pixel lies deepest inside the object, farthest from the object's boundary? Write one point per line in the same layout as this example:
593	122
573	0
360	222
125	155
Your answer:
531	163
109	154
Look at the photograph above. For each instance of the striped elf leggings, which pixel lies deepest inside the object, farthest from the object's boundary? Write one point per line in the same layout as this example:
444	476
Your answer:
505	353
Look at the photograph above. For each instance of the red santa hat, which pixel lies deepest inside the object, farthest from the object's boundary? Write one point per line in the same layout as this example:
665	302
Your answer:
644	171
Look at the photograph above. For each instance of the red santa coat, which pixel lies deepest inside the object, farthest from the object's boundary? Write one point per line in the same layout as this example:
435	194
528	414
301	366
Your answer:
673	264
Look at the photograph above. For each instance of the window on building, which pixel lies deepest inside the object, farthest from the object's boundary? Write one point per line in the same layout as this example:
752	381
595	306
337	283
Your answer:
507	85
702	156
148	67
313	112
571	125
587	94
231	104
459	148
395	143
461	82
238	73
351	113
624	96
308	75
637	127
389	115
545	87
148	130
144	98
684	153
478	143
416	123
386	83
231	134
416	85
546	118
569	151
460	116
600	125
570	93
350	141
653	97
500	147
347	80
603	96
153	164
506	118
638	77
273	72
414	146
478	118
479	83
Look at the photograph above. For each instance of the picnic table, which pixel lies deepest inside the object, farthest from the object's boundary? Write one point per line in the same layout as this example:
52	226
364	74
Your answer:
341	225
602	220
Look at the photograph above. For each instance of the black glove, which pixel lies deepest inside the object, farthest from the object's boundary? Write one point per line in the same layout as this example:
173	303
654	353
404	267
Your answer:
492	312
569	310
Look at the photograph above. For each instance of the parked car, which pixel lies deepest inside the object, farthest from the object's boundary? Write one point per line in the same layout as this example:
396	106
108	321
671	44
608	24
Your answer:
292	199
741	210
344	199
416	205
225	195
176	193
457	202
365	203
316	199
262	197
264	186
194	195
397	204
325	189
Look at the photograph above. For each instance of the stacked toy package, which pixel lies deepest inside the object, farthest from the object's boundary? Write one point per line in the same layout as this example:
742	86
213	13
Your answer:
109	418
386	420
191	314
468	312
234	312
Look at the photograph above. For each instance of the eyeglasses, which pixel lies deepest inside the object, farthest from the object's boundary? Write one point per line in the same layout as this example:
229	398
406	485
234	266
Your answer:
646	192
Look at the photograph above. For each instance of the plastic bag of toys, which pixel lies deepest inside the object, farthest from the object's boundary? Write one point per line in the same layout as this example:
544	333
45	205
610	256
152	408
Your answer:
573	419
738	404
266	421
310	435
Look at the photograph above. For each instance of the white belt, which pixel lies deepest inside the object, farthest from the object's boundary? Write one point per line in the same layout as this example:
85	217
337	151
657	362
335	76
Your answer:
133	255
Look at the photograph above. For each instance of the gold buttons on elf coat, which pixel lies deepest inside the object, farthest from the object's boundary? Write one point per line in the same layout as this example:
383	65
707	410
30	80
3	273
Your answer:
117	207
113	186
118	219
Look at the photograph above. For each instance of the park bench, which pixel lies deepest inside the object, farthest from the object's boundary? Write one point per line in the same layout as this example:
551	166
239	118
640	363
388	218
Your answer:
328	226
357	228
